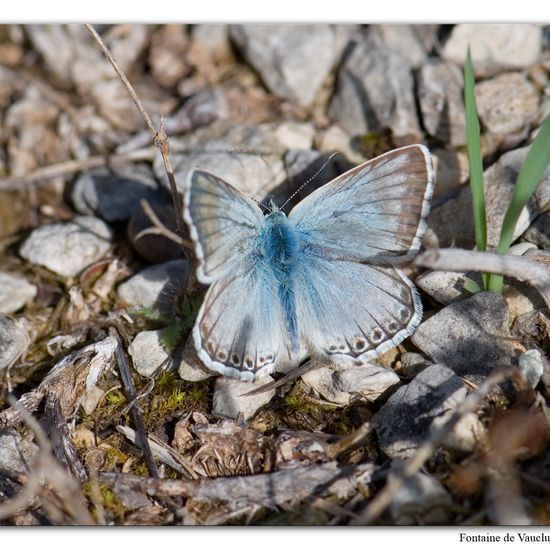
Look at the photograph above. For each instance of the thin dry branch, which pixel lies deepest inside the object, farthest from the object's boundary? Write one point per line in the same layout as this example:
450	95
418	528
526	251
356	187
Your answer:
159	136
131	394
518	267
70	167
412	466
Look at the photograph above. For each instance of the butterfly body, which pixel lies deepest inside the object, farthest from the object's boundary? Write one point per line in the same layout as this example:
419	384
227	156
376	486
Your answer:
319	281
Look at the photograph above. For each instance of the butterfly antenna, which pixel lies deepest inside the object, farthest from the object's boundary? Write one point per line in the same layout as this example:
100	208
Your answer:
309	180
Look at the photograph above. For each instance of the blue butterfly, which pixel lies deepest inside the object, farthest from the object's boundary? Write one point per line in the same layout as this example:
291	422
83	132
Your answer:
319	282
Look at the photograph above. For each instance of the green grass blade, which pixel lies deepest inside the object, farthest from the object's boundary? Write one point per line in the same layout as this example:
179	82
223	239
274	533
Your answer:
532	171
474	160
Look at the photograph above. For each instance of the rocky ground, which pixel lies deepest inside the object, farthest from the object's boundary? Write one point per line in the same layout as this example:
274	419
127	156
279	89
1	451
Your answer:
127	426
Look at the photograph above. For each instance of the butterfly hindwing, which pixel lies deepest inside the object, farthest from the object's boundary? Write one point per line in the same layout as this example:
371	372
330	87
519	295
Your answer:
222	223
240	330
347	309
375	209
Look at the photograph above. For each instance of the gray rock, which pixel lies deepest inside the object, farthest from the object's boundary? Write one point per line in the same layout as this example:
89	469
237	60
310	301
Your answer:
113	194
15	292
421	496
16	453
495	47
148	354
293	60
507	105
414	42
14	341
230	402
531	364
444	287
471	337
191	368
322	381
441	100
157	286
404	421
368	380
247	157
294	135
68	248
335	139
374	91
451	171
452	221
412	363
539	232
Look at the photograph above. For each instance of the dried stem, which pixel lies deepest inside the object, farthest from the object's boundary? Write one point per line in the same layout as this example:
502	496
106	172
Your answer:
159	228
412	466
159	136
518	267
136	413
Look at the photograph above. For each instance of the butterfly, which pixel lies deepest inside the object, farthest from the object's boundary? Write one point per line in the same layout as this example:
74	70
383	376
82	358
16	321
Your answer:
319	282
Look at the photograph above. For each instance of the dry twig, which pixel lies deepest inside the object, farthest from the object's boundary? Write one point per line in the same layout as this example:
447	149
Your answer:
518	267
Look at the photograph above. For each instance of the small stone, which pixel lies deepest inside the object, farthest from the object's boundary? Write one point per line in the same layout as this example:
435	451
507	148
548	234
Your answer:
157	286
441	101
293	60
412	41
68	248
531	364
374	91
334	139
495	47
191	368
451	171
16	453
230	402
421	496
91	399
322	381
14	341
148	354
471	337
507	106
466	433
114	194
539	232
413	363
444	287
248	157
403	423
368	380
15	292
295	135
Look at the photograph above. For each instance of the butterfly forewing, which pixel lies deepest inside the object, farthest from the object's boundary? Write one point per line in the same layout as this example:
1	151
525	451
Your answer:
222	222
376	209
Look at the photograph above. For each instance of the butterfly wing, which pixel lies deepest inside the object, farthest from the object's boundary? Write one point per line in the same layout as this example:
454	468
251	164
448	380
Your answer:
347	309
347	305
376	209
240	330
222	221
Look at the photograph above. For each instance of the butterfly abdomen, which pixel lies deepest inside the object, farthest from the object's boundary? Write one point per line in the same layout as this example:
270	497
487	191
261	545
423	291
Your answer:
279	247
